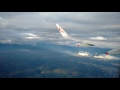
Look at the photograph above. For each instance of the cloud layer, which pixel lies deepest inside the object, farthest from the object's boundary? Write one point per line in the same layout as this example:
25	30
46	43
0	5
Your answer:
24	27
98	38
107	57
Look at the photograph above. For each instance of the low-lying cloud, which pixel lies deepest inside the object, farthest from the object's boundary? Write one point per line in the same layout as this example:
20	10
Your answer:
90	55
84	54
106	57
98	38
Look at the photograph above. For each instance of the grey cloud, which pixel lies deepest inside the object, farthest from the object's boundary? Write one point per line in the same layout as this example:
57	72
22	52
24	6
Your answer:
11	14
42	24
74	20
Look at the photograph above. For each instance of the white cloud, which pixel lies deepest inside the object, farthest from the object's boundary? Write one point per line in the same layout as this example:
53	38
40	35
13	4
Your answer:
98	38
32	36
106	57
89	55
82	53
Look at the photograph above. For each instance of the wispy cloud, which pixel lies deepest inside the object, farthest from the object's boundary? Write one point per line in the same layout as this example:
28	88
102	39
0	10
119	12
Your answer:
32	36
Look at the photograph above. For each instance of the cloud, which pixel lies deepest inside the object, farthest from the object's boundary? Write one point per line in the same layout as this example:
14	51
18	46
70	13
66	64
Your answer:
91	55
47	20
32	36
6	41
115	26
81	54
1	18
98	38
102	43
106	57
41	26
84	54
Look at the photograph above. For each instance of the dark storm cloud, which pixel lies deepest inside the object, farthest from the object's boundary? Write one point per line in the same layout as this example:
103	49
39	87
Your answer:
17	25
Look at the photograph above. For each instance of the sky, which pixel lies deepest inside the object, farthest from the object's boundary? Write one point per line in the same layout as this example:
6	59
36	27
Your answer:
102	28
